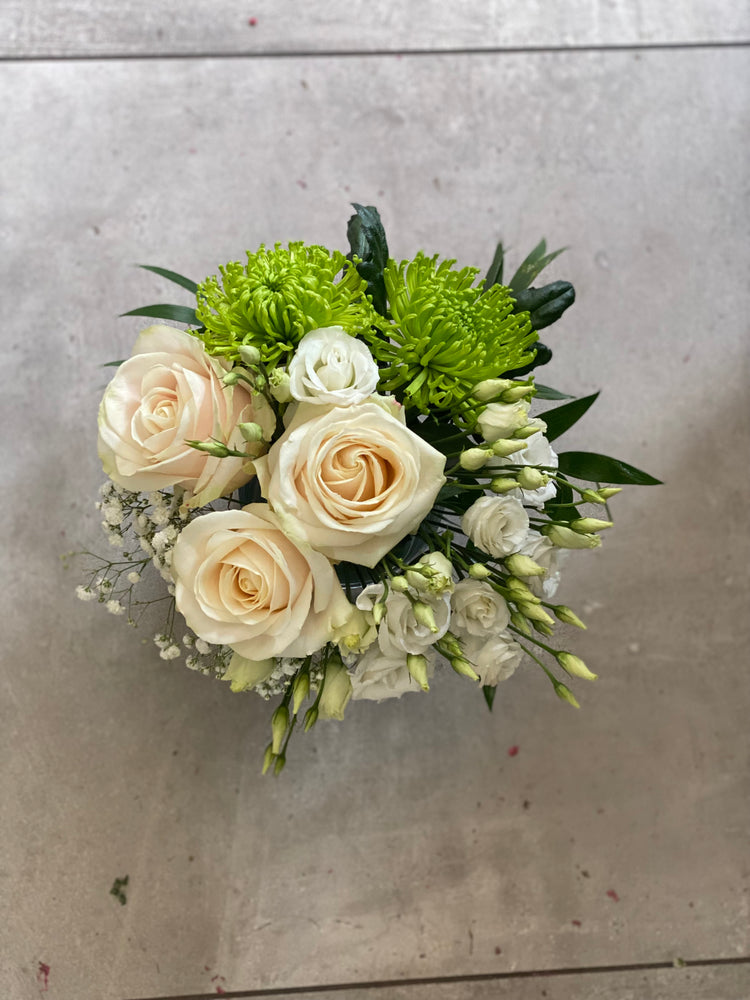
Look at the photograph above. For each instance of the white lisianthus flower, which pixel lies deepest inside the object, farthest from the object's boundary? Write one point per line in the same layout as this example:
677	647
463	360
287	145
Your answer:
497	525
331	367
399	632
377	676
549	557
494	658
350	481
538	451
241	582
502	420
170	391
478	609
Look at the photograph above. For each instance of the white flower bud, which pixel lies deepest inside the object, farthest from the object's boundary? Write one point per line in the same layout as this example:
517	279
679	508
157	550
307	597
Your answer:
490	388
583	525
278	384
417	666
474	458
249	355
574	665
566	538
530	478
251	432
502	448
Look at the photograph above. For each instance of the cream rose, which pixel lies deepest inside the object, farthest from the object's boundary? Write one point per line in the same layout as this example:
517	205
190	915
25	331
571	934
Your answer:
494	659
331	367
498	525
350	481
478	609
377	676
241	582
168	392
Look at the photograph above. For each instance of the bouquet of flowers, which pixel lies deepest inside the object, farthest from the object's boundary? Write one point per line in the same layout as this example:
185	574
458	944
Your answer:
336	471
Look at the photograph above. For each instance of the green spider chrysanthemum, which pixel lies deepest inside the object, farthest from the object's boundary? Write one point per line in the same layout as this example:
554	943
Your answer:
447	335
279	296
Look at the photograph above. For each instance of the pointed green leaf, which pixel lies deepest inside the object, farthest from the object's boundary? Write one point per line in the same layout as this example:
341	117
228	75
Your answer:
547	392
180	314
178	279
593	468
495	273
367	240
489	693
111	364
534	264
559	419
560	508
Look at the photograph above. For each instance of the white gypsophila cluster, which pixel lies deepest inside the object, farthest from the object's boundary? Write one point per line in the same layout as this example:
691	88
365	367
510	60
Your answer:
286	669
158	524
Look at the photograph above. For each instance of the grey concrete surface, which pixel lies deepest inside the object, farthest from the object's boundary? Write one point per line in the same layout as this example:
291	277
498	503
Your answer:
136	27
405	842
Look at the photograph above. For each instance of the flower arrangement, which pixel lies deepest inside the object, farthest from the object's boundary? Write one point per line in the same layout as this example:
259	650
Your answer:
337	473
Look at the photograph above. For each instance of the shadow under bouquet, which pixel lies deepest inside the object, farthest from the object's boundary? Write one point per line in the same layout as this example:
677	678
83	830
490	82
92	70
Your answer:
336	471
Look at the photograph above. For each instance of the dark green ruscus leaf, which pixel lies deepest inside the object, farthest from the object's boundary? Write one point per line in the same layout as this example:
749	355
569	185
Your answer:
367	241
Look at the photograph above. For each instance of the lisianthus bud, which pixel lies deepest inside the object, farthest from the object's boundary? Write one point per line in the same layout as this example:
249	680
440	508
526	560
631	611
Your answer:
574	665
417	665
534	427
432	574
565	694
249	355
566	538
300	691
278	384
278	767
530	478
214	448
520	622
311	717
251	432
534	613
502	420
425	615
609	491
400	584
543	629
378	612
506	446
583	525
490	388
462	666
478	571
279	724
337	690
231	378
502	484
521	565
521	589
592	496
474	458
565	614
268	758
517	392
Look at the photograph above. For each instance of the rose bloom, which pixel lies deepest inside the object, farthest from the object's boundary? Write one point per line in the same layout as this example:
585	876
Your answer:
241	582
331	367
478	610
351	481
498	525
495	658
170	390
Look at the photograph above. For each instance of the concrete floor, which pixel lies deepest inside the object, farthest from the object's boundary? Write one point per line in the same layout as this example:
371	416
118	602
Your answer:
406	844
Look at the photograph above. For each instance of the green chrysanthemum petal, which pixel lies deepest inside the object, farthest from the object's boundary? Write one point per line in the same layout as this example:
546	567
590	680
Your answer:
278	297
448	334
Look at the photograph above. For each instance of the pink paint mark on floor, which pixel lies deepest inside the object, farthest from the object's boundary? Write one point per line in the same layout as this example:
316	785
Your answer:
252	21
576	923
513	751
42	976
613	895
302	184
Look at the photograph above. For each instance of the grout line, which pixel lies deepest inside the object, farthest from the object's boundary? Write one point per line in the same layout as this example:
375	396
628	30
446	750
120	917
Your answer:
483	977
378	53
